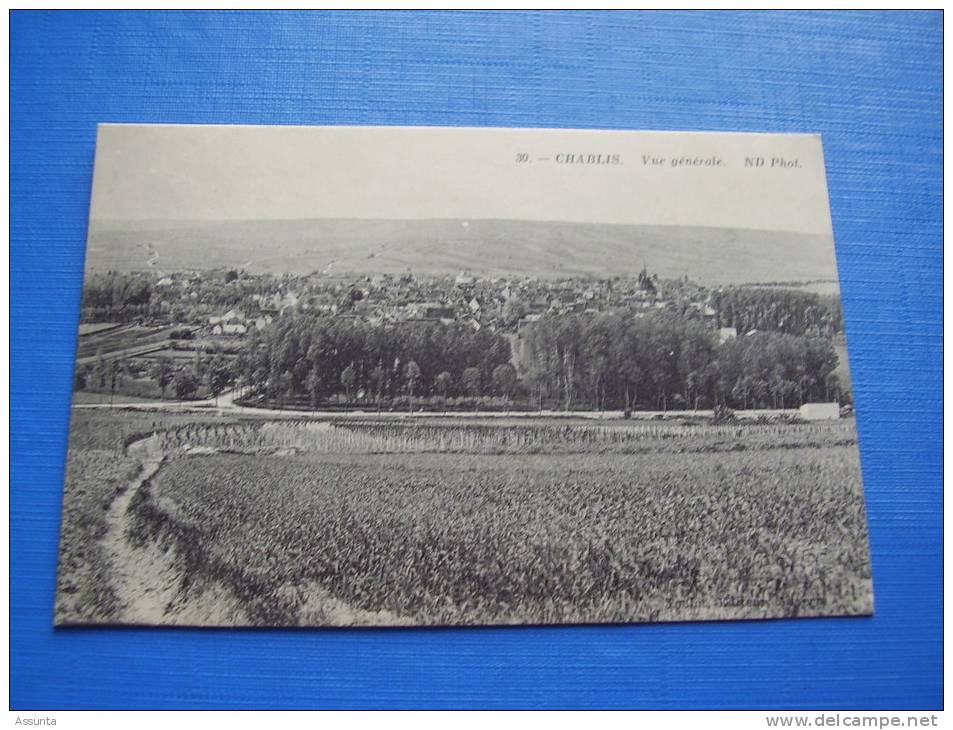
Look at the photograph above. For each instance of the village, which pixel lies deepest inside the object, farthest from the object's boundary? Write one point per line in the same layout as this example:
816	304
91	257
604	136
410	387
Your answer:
502	304
192	335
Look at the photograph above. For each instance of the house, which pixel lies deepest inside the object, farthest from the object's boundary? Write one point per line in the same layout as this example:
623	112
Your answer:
279	302
538	304
438	311
820	411
428	310
232	316
229	329
726	333
527	320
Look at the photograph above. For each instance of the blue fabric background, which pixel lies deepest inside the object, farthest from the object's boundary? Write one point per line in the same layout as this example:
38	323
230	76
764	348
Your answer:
869	82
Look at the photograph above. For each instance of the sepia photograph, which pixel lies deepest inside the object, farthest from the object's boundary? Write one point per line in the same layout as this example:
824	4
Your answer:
345	376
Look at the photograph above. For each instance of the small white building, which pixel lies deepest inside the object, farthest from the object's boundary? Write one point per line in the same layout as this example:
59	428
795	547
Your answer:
820	411
229	329
232	316
726	333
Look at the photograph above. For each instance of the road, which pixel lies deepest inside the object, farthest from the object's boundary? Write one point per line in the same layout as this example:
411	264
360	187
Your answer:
226	405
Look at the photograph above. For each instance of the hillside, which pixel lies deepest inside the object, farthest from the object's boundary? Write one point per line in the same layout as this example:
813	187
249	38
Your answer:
493	247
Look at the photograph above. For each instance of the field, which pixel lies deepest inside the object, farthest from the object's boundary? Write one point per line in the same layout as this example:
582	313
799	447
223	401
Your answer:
118	340
396	522
98	469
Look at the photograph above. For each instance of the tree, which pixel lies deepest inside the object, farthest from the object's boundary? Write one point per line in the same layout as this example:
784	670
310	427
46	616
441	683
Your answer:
513	311
218	376
285	387
568	345
598	344
646	283
412	373
442	382
471	382
625	360
118	367
184	384
504	380
348	377
540	355
378	376
313	385
230	276
162	372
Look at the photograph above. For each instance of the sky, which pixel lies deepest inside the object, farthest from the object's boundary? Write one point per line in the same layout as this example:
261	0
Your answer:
227	173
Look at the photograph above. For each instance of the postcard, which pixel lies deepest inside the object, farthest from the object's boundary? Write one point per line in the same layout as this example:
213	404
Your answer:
340	376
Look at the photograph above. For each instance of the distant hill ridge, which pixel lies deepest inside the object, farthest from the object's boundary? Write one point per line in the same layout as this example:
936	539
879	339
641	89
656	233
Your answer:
483	247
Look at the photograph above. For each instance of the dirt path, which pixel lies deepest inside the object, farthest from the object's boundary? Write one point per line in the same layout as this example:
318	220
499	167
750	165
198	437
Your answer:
149	580
154	588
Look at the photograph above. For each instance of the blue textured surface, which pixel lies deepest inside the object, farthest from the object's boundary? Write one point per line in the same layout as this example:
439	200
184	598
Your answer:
869	82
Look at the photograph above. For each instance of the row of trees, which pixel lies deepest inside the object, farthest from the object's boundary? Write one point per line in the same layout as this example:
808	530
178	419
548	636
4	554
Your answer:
115	294
609	361
789	311
203	376
663	360
315	357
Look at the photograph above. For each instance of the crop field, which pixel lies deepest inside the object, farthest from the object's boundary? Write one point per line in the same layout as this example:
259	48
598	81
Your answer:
373	523
113	430
97	470
382	437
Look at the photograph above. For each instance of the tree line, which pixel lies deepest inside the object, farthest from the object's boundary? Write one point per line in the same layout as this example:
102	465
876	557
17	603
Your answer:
789	311
588	362
662	360
206	375
315	357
